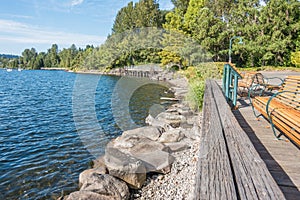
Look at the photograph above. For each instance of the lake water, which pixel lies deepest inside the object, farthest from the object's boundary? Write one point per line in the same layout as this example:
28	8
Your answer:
54	123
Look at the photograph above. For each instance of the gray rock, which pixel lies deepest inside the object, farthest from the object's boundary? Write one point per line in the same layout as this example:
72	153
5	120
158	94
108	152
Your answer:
154	155
193	133
87	195
156	161
107	185
126	167
133	144
172	135
174	120
99	162
156	123
88	173
178	146
150	132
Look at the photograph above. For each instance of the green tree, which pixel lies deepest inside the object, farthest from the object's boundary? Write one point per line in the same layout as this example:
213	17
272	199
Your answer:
174	20
144	13
280	30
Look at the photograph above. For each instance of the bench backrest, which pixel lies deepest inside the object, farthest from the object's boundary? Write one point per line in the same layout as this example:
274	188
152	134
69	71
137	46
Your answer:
291	98
251	78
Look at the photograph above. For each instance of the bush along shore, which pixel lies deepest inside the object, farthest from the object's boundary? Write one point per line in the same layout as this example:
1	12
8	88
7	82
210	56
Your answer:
157	161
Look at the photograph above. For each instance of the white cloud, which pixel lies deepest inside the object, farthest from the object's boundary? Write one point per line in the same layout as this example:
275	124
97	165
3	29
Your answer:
76	2
20	33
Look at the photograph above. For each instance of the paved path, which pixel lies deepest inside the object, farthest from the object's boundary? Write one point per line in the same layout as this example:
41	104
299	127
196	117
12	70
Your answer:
281	156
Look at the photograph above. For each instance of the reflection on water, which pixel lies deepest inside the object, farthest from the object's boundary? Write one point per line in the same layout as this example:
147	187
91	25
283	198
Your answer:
42	151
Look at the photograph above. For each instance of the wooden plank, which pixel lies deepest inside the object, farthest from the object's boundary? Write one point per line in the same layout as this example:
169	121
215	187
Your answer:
214	179
252	177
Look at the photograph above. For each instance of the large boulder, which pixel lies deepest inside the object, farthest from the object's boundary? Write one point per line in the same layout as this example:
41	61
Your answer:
193	133
151	121
99	162
173	119
106	185
150	132
133	144
172	135
154	155
184	144
126	167
156	161
86	174
87	195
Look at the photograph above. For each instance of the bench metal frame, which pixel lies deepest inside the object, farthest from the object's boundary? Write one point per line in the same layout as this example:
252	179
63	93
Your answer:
269	113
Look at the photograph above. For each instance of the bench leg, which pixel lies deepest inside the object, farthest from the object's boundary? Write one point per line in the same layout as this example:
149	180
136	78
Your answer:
274	129
253	109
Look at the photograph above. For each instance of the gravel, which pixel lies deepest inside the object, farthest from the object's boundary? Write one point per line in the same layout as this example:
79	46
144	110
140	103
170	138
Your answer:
178	184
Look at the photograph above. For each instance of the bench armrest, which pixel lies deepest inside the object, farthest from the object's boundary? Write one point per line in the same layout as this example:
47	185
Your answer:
272	78
268	106
256	87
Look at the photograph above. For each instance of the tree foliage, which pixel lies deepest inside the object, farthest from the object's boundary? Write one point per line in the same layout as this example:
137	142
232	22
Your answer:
189	33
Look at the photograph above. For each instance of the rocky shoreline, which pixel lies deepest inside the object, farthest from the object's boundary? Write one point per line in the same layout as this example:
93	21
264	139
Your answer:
157	161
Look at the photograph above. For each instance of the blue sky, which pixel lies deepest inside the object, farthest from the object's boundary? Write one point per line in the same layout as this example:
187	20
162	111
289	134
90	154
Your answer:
41	23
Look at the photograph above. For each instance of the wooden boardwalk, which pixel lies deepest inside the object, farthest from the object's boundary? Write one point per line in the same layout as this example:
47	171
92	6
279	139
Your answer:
229	166
281	156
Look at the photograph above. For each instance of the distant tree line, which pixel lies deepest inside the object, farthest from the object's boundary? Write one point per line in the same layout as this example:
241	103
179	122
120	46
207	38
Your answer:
269	28
68	58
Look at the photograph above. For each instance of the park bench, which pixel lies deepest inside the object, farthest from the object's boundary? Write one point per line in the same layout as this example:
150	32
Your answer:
282	109
248	80
257	79
228	165
235	82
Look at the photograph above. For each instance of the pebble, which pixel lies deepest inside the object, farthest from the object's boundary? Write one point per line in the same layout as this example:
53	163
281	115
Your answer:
179	183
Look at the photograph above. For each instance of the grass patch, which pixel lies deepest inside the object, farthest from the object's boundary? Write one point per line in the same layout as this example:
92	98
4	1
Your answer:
197	77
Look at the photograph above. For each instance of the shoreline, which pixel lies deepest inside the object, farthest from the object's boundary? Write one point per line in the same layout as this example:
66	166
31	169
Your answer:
184	157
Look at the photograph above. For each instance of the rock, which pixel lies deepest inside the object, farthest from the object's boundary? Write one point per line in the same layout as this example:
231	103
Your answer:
156	123
154	155
193	133
185	111
99	162
86	174
106	185
192	119
174	120
133	144
178	146
87	195
156	161
150	132
126	167
173	135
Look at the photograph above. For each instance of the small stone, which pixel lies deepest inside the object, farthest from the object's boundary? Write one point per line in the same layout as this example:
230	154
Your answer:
136	195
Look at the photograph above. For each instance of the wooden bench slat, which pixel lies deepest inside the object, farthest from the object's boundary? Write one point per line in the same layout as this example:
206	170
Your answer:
287	119
292	134
284	108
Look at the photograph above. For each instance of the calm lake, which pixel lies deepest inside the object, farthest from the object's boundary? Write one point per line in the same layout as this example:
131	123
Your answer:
53	123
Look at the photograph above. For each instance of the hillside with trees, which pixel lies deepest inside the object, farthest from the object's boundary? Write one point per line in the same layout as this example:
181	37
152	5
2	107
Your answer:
142	33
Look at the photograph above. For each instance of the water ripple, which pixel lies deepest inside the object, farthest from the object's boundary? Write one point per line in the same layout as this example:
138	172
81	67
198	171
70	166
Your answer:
41	153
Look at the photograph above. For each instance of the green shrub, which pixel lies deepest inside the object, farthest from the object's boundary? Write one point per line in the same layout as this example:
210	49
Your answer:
197	76
195	94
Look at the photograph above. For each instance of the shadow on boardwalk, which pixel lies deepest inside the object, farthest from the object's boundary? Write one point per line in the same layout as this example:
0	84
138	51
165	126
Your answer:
261	138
